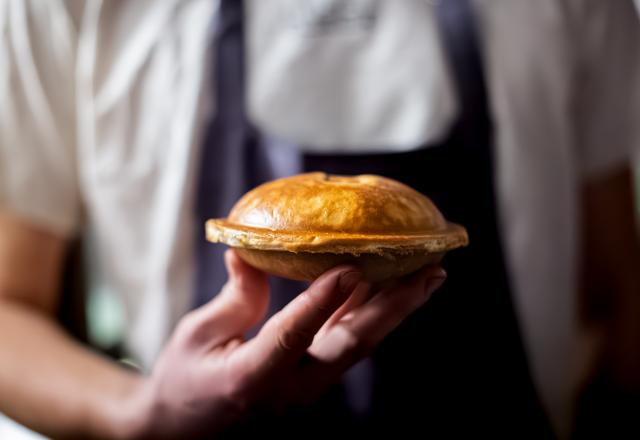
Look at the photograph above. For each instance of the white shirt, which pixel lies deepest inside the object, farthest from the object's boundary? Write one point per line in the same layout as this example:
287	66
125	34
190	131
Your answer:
103	106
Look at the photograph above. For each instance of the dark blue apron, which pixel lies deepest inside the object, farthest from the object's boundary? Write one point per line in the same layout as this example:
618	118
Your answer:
456	368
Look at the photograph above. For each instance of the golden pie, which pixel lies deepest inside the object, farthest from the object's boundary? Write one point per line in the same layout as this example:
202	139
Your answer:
300	226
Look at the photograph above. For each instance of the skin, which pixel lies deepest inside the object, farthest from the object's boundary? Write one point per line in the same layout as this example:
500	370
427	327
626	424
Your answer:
207	377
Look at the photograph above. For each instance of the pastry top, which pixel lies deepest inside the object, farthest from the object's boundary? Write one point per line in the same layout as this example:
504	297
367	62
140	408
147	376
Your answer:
317	212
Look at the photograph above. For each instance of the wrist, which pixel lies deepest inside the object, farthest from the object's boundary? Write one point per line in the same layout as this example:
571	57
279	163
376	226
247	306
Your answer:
132	414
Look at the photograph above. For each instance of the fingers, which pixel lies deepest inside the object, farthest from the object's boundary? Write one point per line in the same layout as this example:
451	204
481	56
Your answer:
390	307
360	295
354	338
238	307
286	337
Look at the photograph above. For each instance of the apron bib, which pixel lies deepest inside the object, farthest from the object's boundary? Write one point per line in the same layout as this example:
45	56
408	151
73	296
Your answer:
457	367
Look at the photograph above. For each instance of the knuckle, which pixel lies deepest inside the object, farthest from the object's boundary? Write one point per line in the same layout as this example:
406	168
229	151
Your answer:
187	325
292	339
313	307
273	325
192	329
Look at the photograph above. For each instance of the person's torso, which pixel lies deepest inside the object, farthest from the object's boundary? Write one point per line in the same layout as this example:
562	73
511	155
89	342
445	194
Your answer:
145	98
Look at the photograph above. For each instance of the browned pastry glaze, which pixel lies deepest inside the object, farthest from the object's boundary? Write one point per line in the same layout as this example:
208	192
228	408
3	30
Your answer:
303	225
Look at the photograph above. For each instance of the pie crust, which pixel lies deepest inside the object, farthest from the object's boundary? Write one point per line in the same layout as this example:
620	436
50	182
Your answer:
312	221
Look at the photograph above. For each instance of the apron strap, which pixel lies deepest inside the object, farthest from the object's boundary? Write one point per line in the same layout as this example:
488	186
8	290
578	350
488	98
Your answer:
459	35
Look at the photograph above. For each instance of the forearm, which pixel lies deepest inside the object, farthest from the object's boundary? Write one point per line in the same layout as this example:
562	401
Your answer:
52	384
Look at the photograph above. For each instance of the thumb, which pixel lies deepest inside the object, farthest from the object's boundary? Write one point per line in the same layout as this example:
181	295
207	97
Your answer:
239	306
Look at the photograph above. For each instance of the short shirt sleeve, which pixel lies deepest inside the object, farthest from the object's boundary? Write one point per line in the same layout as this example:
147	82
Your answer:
607	94
38	177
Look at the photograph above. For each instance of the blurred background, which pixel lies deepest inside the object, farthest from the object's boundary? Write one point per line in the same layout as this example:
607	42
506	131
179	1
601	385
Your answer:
105	314
95	312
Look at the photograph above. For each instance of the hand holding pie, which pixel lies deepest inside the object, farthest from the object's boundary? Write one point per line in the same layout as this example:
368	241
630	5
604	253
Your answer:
301	226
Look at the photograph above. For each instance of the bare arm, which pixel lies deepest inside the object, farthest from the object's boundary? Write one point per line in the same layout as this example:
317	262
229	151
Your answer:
207	377
612	273
48	381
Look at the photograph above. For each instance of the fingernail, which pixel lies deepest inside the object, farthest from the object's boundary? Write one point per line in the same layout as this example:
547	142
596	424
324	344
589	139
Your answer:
435	282
348	281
